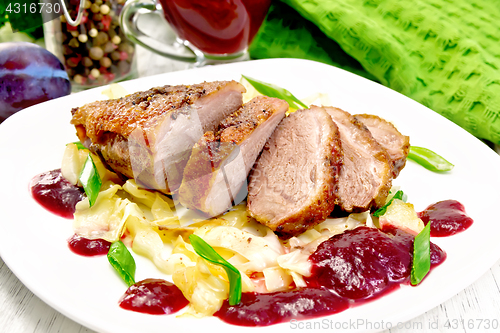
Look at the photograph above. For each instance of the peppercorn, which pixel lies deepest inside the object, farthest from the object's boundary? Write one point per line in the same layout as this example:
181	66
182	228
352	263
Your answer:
105	62
96	53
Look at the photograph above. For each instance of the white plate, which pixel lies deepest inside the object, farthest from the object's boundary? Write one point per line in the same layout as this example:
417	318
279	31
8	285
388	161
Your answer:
33	241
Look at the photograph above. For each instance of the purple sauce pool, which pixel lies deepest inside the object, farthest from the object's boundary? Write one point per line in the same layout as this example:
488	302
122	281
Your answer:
348	269
51	190
153	296
88	247
447	218
353	267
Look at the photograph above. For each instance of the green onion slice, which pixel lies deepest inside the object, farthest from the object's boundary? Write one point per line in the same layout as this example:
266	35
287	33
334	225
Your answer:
421	255
122	261
90	179
204	250
272	90
381	211
429	159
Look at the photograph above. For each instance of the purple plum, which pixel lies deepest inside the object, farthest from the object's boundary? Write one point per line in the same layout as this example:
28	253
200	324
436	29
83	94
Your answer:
29	74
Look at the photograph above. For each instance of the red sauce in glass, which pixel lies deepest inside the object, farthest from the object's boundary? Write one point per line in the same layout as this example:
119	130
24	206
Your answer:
349	268
153	296
51	190
447	218
88	247
214	26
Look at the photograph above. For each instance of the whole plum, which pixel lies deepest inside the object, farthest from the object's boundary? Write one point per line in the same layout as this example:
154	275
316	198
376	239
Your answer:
29	74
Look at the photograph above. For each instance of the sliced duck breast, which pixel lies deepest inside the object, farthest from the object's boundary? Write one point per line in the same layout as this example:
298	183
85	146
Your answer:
149	135
215	178
365	176
293	184
396	144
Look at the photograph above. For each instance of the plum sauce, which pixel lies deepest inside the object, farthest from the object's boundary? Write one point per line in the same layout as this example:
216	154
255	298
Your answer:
363	262
88	247
153	296
51	190
349	268
447	218
271	308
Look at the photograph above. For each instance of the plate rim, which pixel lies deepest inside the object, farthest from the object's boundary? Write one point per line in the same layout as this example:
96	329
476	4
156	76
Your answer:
274	63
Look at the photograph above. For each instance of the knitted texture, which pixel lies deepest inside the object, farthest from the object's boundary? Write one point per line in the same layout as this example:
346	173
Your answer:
444	54
285	34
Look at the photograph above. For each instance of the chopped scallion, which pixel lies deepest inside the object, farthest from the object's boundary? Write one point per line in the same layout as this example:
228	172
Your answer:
90	179
204	250
381	211
272	90
421	256
122	261
429	159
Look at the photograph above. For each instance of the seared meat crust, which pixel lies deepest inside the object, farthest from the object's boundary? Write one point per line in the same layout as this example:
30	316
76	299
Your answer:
365	178
293	184
148	135
221	160
396	144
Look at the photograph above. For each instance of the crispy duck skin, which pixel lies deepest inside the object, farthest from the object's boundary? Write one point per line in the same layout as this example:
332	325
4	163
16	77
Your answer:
293	184
365	177
396	144
148	135
220	162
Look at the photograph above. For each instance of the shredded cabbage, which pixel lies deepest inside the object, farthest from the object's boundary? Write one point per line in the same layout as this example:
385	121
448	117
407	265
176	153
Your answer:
158	229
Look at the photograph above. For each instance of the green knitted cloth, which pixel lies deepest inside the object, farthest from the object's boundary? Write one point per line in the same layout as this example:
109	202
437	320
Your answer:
286	34
444	54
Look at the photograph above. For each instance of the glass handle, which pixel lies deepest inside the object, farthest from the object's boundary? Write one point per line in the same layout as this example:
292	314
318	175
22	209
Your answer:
129	18
78	19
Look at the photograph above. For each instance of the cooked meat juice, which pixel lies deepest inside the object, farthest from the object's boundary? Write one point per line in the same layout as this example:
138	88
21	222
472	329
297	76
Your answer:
216	27
331	289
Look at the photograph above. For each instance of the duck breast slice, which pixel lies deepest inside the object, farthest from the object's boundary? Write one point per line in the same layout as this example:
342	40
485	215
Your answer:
396	144
148	135
365	177
293	184
215	178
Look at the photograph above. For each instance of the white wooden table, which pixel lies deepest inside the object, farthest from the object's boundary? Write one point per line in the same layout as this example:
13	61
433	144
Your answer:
23	312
